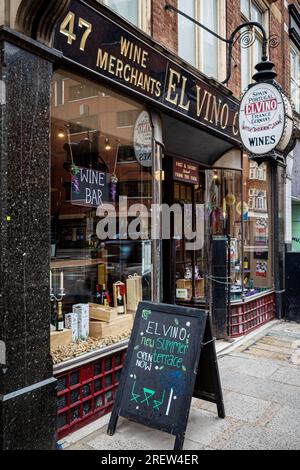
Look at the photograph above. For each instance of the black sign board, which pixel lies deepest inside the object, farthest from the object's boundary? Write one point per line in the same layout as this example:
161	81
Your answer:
89	187
86	36
171	357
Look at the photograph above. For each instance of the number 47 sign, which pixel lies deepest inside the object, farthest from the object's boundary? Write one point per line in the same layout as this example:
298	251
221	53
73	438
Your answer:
67	28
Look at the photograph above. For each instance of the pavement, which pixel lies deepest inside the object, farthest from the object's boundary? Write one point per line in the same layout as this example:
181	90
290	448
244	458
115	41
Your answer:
260	378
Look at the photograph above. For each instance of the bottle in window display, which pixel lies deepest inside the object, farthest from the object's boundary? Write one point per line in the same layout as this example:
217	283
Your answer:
246	262
59	318
120	302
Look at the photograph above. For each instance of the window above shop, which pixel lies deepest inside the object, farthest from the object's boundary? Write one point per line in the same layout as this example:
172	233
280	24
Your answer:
258	172
197	46
257	11
295	77
137	12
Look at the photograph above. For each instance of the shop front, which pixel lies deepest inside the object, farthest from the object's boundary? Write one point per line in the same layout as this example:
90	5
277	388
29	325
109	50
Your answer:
148	194
151	199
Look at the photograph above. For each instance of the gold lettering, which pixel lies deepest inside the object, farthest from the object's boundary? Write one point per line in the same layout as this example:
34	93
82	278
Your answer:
225	107
200	100
88	29
235	129
140	82
215	111
111	67
209	95
124	46
181	104
127	73
158	89
134	76
144	59
137	55
102	59
119	68
172	87
147	83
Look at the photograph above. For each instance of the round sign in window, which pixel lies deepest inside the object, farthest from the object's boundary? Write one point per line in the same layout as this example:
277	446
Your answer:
142	139
262	118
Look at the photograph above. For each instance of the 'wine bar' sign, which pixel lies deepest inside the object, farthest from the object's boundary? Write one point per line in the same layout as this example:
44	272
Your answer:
171	357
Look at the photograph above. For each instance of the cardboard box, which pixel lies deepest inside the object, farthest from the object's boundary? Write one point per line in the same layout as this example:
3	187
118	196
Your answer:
71	323
100	329
60	338
102	313
184	288
82	311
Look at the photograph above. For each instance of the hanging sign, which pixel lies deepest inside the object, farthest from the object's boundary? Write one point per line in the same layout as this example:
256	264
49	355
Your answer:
265	119
88	187
171	357
142	139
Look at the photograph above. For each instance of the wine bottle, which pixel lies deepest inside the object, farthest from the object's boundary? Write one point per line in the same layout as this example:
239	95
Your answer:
120	303
59	318
246	263
98	294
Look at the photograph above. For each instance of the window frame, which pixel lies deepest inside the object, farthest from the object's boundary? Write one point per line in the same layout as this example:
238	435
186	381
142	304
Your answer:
143	14
295	51
199	34
263	7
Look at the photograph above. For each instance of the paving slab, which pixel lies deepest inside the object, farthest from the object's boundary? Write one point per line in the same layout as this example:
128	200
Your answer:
287	420
248	366
287	376
250	437
204	426
261	388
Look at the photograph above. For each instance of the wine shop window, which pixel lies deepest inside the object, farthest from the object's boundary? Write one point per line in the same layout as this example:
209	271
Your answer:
96	281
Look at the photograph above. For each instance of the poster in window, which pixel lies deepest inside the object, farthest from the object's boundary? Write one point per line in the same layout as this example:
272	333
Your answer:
261	268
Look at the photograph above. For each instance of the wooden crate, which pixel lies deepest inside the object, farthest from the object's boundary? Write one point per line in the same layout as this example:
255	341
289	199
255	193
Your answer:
100	329
102	313
187	284
60	338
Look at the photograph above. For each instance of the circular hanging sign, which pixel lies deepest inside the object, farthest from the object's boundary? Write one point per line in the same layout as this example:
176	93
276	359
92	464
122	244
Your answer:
262	118
142	139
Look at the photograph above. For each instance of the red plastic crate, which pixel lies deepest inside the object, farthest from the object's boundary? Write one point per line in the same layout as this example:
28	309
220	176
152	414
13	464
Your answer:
87	392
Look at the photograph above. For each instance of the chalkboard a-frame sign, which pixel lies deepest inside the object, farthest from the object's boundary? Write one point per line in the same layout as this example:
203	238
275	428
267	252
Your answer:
171	357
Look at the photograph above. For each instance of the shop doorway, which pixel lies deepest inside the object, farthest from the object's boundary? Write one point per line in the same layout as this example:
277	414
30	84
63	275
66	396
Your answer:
185	257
